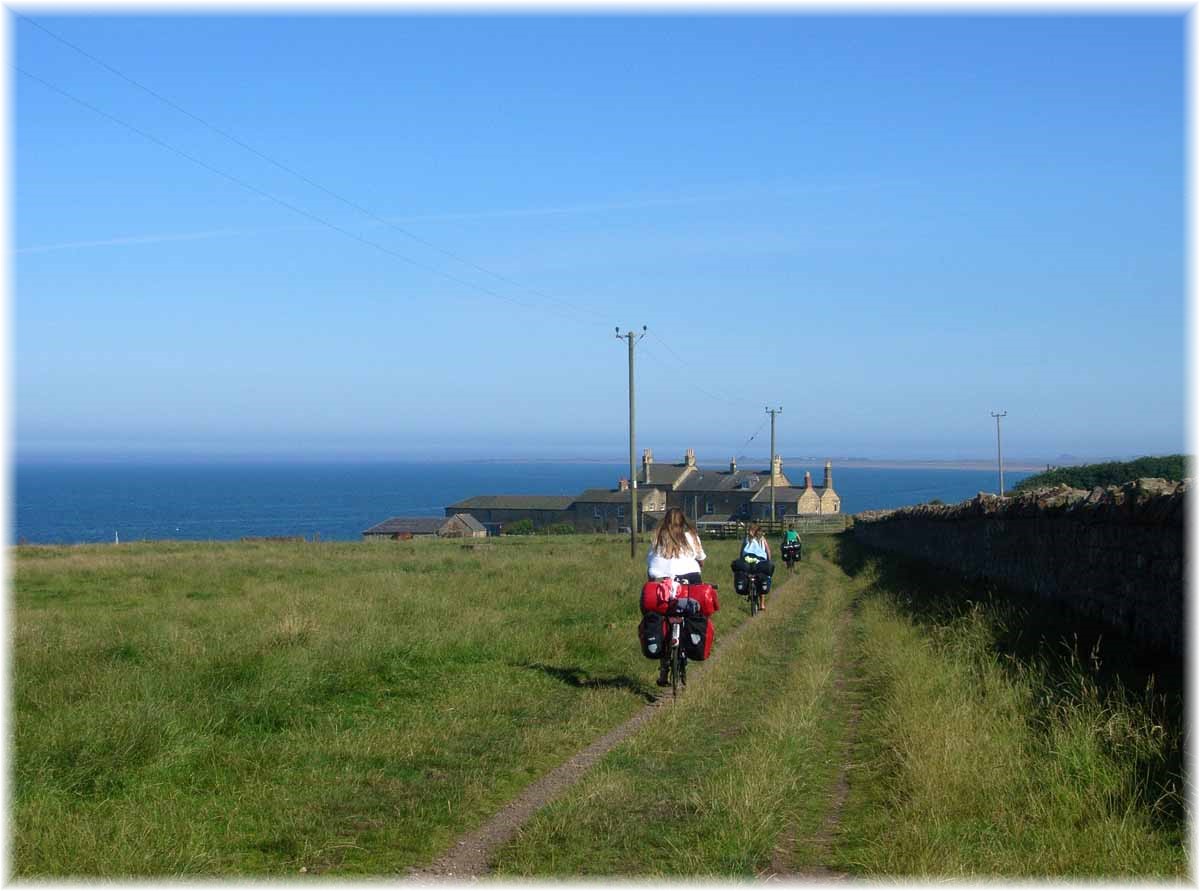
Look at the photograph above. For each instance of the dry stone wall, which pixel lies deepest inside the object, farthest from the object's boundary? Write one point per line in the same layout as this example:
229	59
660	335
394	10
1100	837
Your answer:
1114	554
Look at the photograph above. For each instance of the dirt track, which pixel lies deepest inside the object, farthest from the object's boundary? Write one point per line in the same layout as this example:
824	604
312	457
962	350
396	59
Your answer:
469	857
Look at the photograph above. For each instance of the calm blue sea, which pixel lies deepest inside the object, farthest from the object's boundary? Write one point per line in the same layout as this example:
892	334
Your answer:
75	503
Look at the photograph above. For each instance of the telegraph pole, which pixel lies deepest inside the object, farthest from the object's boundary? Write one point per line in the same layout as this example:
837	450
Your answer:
772	412
632	338
999	457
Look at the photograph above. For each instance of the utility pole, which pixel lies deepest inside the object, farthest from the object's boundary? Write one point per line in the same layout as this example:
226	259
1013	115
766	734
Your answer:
999	457
772	412
633	525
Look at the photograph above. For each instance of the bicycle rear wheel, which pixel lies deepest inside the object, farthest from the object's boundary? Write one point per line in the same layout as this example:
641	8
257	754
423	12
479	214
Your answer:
754	603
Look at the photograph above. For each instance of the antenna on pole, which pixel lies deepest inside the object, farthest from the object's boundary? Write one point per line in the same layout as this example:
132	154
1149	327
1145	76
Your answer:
633	507
999	456
772	412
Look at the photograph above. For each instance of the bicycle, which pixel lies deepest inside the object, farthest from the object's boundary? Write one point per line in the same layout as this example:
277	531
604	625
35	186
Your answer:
791	554
752	586
676	659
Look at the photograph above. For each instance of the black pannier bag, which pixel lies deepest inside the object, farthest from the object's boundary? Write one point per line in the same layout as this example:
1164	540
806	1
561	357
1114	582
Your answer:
652	635
696	635
739	582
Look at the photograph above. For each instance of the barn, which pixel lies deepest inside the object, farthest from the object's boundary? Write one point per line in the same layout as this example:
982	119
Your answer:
404	528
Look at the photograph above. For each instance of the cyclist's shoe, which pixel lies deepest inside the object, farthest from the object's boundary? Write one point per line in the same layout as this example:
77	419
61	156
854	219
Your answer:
662	677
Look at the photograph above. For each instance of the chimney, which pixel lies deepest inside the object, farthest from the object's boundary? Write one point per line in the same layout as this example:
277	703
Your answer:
623	484
776	469
807	480
733	465
647	460
689	457
829	475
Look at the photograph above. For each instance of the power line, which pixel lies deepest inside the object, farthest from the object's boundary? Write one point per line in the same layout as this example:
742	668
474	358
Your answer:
309	181
280	201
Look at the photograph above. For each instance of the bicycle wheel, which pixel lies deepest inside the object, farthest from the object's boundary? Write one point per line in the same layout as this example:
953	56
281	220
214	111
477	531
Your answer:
675	670
754	603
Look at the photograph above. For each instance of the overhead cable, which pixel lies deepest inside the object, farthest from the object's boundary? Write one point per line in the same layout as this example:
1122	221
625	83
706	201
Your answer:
302	177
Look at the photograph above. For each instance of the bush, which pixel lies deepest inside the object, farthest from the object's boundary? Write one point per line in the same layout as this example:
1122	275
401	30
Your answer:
559	529
1112	473
520	527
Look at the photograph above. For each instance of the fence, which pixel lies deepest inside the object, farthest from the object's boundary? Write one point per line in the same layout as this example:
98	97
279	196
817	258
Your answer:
822	525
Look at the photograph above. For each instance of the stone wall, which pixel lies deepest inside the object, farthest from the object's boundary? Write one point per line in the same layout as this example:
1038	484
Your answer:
1114	554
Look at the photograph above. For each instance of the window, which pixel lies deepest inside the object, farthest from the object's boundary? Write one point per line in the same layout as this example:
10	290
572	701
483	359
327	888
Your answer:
596	514
620	511
708	505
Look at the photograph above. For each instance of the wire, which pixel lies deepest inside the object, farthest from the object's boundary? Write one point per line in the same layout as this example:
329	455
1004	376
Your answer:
316	185
299	210
697	386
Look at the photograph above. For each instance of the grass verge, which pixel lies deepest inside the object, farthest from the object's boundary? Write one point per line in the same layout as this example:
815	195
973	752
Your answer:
976	762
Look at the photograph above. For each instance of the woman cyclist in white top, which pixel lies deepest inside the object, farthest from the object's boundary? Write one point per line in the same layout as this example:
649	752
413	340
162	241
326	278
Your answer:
676	553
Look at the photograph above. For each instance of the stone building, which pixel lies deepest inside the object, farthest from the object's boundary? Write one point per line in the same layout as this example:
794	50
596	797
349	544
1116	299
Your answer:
607	510
497	511
823	500
706	495
403	528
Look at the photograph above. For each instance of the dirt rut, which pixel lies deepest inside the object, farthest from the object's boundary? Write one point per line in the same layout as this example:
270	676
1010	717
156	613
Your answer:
469	857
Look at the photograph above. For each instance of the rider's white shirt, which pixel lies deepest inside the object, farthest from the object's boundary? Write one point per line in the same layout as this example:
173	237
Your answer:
659	567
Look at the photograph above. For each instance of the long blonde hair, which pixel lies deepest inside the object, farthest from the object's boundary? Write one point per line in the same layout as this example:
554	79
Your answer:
755	533
671	539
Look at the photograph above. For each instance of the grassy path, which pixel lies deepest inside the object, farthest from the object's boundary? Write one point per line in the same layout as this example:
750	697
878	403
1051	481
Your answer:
470	856
746	761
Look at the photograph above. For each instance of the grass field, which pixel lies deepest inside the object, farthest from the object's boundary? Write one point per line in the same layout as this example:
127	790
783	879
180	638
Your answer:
258	709
263	709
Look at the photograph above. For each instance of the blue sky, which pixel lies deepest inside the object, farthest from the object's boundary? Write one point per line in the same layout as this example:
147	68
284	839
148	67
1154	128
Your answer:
890	226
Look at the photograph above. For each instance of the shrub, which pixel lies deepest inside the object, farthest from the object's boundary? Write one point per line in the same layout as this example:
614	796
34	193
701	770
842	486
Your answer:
559	529
520	527
1112	473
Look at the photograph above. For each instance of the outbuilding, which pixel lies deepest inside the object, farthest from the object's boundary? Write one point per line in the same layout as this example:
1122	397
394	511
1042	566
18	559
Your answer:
403	528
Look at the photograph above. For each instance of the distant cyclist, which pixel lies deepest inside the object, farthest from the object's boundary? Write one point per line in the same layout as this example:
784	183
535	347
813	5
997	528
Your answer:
790	546
755	558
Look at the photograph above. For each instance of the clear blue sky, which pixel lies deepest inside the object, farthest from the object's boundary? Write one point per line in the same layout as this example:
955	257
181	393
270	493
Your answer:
890	226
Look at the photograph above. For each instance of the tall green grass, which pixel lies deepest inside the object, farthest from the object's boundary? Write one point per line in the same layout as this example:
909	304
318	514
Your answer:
266	708
976	764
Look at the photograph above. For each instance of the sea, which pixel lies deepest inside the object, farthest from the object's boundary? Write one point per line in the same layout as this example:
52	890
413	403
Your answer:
77	503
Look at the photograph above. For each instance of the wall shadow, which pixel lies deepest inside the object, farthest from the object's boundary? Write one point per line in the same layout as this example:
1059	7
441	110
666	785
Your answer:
1067	648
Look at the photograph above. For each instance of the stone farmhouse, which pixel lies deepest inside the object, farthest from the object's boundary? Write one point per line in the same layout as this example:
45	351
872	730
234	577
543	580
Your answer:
706	495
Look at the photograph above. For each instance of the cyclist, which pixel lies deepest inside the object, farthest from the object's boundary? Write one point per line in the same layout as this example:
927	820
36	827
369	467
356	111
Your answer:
755	558
675	553
791	539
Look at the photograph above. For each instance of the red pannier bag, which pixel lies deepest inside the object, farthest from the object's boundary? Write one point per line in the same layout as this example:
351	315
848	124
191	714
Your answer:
656	595
697	637
706	595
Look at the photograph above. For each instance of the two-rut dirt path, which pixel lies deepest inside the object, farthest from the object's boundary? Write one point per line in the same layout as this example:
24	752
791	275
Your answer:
783	868
469	857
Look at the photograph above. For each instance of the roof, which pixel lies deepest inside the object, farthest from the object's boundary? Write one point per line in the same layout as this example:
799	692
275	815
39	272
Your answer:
515	502
610	496
784	493
415	525
725	481
470	522
662	474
